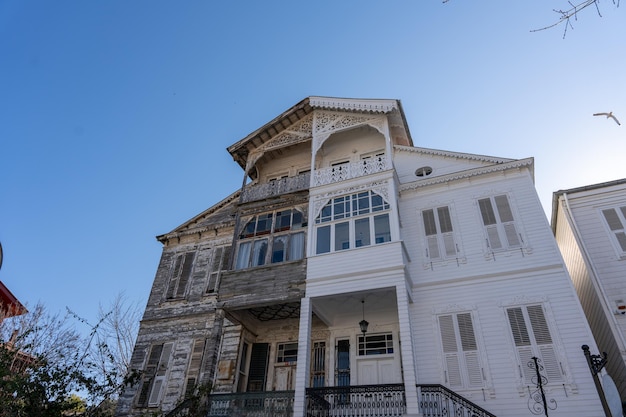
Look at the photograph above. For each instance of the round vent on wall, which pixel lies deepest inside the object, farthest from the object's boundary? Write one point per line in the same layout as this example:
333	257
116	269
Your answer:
423	171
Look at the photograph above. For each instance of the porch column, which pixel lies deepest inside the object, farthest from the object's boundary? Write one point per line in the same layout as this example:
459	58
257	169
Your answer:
304	358
406	350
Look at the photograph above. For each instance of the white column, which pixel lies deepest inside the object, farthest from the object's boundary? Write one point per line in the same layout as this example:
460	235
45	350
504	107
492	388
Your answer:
304	358
406	350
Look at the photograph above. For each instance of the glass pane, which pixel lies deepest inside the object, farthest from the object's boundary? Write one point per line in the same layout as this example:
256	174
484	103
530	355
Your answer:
363	203
326	213
249	229
323	239
342	236
296	221
243	255
264	224
258	252
278	249
283	220
377	202
381	228
296	246
362	232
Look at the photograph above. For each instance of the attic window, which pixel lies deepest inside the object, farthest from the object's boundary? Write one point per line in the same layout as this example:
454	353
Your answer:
423	171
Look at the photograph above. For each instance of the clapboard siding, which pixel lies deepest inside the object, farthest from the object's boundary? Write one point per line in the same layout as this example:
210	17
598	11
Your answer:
595	267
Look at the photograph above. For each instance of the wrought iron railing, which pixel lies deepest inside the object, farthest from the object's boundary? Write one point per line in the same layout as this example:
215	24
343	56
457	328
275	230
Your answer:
439	401
386	400
256	192
347	171
252	404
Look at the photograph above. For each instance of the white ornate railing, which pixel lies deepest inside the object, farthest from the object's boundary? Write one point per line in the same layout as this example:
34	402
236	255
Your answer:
348	170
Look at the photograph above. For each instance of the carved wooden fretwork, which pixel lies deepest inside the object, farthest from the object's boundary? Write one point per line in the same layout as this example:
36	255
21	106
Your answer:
347	171
326	123
299	132
379	187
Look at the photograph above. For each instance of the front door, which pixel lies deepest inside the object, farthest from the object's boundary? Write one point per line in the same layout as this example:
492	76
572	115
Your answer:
284	378
377	371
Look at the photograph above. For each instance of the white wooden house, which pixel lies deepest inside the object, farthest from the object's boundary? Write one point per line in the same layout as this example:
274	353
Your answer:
355	274
590	228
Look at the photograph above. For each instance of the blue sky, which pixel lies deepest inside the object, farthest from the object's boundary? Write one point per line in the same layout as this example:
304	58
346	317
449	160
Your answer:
115	115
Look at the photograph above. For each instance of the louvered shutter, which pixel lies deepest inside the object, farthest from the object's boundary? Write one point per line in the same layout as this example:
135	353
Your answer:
450	351
185	274
543	339
215	269
506	218
174	275
193	372
445	228
470	350
430	229
616	226
161	374
149	374
522	342
490	223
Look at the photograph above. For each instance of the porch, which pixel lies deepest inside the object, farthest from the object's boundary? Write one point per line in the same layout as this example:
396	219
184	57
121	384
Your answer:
386	400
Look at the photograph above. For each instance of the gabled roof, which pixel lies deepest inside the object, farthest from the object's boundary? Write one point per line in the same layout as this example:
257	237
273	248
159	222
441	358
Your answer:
215	217
242	148
557	194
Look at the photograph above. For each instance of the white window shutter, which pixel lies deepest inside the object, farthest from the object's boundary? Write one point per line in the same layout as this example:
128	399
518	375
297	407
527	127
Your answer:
493	237
449	245
433	247
616	226
450	351
512	236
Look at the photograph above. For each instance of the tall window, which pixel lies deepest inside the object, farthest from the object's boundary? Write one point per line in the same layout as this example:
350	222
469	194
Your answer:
271	238
460	350
352	221
219	263
318	364
180	275
440	243
154	375
616	219
499	224
195	363
531	335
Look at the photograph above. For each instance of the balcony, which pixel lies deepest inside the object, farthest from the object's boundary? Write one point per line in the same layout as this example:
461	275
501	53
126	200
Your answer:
353	401
349	170
252	404
365	400
256	192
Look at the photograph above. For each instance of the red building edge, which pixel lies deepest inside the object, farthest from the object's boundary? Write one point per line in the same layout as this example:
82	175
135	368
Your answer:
9	304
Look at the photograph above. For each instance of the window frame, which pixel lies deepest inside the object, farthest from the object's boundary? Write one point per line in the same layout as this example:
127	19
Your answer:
618	234
214	272
440	239
345	211
180	275
469	363
501	232
527	343
252	240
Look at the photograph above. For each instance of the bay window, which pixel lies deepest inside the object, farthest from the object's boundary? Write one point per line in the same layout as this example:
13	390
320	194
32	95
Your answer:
352	221
271	238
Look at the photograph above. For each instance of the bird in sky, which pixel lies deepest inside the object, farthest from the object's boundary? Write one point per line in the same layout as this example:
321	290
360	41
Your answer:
609	115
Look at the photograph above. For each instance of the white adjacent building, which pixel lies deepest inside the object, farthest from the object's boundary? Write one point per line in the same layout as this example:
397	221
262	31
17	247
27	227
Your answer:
445	259
590	228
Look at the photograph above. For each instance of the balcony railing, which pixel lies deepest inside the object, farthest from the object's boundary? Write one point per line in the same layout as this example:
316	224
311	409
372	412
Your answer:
255	192
252	404
439	401
347	171
386	400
